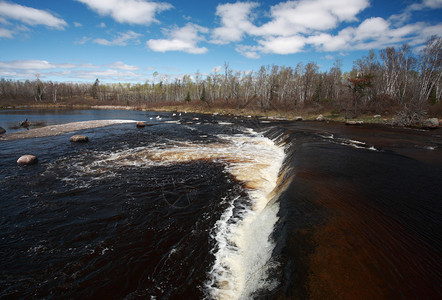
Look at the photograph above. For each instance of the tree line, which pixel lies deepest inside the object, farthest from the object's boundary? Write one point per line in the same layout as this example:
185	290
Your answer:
395	79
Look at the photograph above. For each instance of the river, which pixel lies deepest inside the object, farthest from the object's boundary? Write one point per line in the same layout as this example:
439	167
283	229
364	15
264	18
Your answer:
215	207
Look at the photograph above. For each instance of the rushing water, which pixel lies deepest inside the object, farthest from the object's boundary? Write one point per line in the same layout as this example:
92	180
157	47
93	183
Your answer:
203	207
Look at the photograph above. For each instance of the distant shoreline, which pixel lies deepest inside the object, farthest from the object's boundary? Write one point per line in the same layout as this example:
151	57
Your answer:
273	115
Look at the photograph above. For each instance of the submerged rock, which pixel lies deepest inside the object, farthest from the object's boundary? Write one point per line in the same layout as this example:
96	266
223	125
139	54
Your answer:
432	123
79	138
140	124
27	160
2	130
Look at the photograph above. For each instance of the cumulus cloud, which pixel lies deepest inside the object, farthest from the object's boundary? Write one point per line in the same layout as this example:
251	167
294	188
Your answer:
235	21
295	26
180	39
30	16
139	12
373	33
293	17
282	44
122	39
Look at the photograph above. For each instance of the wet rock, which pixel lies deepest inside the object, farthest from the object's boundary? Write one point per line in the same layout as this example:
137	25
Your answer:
25	123
298	118
320	118
79	138
432	123
27	160
2	130
140	124
354	122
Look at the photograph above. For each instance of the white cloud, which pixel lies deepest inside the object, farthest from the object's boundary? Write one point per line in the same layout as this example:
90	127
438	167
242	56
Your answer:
403	17
6	33
122	39
216	69
294	26
30	16
249	51
283	45
128	11
371	29
373	33
293	17
76	24
180	39
27	64
101	25
27	69
433	3
235	20
83	40
122	66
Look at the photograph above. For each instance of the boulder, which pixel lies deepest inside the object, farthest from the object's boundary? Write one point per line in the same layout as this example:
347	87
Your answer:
354	122
376	116
27	160
298	118
320	118
2	130
79	138
431	123
140	124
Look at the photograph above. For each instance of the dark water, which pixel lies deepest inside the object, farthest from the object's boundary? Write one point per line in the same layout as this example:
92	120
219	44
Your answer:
173	211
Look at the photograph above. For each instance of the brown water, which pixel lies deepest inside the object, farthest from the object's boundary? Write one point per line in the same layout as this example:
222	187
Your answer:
180	210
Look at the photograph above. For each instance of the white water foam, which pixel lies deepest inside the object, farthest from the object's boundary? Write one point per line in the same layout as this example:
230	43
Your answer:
243	245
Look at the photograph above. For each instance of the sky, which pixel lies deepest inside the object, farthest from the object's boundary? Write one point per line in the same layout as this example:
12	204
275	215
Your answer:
134	41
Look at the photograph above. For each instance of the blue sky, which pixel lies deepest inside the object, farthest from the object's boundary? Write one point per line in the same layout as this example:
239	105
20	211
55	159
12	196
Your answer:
133	40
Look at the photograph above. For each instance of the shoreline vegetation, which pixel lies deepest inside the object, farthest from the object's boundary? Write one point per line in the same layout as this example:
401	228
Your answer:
396	86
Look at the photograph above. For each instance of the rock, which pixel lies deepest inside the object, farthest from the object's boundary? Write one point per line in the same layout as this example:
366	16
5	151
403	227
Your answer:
79	138
431	123
140	124
25	123
2	130
27	160
298	118
376	116
320	118
354	122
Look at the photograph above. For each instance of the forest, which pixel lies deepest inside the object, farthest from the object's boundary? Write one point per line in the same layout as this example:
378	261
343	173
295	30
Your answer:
397	81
